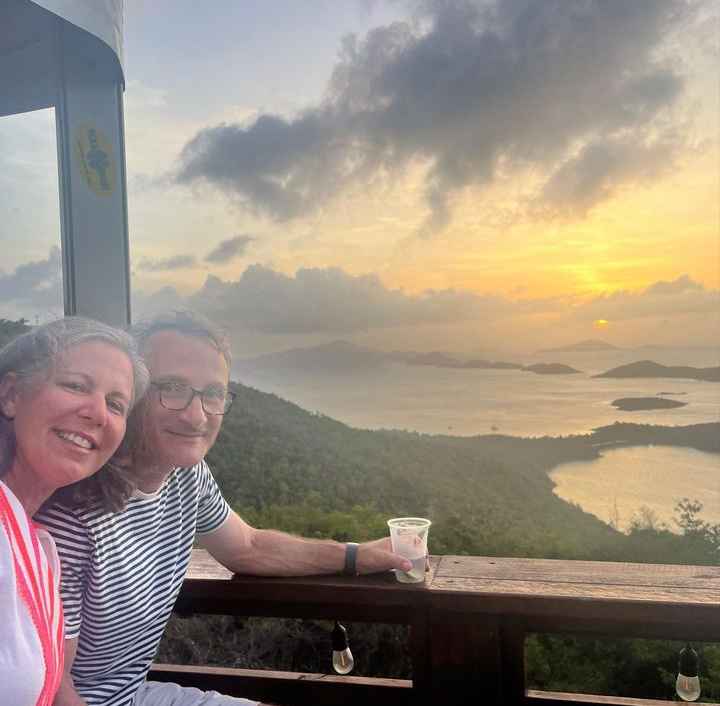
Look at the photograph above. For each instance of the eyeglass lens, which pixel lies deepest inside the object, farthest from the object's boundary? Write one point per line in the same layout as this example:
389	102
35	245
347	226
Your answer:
179	397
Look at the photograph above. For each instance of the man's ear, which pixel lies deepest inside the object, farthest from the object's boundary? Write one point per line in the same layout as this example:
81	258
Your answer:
9	394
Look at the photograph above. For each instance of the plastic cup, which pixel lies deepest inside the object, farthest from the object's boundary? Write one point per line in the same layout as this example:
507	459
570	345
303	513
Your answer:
408	536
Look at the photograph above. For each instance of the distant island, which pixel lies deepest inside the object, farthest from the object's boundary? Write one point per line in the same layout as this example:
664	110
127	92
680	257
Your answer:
587	346
650	369
636	404
344	357
338	357
443	360
551	369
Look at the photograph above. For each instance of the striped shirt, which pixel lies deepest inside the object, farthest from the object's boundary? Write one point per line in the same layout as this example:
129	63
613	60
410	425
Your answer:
121	574
31	620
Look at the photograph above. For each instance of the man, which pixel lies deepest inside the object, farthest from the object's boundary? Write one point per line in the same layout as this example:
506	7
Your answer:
122	570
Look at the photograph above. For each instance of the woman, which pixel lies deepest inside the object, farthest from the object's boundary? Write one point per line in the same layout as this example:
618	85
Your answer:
66	389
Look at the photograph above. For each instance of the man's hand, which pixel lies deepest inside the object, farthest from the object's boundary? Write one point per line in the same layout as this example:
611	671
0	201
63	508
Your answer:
253	552
376	556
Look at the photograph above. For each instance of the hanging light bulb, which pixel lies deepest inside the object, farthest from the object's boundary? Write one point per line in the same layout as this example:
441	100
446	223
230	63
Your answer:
342	659
687	684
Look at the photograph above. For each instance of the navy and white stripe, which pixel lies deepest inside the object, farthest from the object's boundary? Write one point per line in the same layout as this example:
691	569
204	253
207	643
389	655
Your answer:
121	574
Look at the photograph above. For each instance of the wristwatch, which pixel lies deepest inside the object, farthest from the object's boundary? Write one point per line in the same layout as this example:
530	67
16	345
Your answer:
350	568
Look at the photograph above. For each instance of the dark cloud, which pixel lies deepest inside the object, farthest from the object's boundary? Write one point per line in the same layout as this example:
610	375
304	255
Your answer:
145	305
229	249
573	89
599	168
37	285
177	262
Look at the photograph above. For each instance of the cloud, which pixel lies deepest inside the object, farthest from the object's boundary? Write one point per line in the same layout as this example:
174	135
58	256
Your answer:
681	285
680	296
37	284
229	249
177	262
601	166
571	90
267	305
329	301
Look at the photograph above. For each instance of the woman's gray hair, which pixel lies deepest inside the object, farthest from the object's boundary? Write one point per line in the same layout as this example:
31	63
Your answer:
36	352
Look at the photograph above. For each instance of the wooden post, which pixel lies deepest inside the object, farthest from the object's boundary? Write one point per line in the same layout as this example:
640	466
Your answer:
465	659
512	655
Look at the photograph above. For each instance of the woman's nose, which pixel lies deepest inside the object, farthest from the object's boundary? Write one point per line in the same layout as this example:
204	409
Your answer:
95	409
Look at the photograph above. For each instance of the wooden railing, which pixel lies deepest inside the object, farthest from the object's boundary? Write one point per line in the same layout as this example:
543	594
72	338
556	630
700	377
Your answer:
468	624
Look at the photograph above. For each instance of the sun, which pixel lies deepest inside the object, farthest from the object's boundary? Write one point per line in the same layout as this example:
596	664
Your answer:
600	324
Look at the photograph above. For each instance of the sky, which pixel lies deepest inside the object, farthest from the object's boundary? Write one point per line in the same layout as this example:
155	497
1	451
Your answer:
471	176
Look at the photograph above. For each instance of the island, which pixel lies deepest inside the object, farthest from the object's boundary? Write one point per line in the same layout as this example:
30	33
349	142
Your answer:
650	369
443	360
636	404
588	346
551	369
345	357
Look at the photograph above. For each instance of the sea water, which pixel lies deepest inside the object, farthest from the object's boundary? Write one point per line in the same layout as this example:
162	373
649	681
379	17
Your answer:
467	402
618	485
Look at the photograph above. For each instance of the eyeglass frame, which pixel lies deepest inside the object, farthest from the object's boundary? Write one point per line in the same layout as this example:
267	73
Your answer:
229	396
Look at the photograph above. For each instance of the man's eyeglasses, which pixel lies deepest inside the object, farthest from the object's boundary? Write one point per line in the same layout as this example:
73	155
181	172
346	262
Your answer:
178	396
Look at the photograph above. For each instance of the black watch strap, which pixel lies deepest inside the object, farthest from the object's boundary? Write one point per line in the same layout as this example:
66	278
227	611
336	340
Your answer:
350	568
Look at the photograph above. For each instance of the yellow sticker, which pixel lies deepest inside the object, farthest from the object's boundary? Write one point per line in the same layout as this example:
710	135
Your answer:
95	156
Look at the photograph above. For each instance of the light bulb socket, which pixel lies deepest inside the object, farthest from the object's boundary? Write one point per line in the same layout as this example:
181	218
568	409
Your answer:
689	662
339	638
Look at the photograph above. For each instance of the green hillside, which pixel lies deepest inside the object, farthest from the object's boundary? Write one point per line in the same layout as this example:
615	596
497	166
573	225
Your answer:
281	466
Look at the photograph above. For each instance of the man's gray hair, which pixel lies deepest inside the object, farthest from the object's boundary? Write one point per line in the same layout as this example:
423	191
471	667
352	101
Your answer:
188	323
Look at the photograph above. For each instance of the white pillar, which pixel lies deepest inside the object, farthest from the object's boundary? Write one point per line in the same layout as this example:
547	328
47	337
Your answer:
92	179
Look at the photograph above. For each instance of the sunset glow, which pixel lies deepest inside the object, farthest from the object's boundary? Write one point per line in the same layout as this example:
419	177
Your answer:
579	201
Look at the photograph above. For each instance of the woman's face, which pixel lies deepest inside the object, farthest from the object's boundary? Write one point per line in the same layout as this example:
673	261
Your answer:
68	425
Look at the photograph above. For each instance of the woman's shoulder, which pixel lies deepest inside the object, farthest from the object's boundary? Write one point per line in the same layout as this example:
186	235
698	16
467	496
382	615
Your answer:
11	509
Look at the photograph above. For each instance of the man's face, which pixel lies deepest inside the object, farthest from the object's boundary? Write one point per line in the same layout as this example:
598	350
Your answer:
182	438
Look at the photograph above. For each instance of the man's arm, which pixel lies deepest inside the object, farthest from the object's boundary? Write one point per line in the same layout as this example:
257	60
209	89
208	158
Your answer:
66	695
246	550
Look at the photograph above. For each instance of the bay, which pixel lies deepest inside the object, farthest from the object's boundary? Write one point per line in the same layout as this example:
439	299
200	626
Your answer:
623	480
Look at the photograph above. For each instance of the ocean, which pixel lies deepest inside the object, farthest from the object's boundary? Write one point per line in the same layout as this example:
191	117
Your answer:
467	402
471	401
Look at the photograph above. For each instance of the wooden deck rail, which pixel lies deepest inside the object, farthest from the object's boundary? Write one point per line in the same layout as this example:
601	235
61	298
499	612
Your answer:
468	624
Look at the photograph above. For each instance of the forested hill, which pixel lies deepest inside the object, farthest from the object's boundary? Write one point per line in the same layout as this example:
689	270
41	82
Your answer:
283	467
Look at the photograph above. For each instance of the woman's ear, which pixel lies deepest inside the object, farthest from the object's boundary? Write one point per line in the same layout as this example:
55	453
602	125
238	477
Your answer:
9	394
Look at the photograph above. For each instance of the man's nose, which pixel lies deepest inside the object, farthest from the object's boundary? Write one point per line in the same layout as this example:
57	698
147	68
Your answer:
194	412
